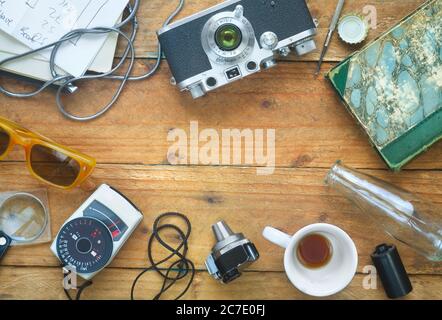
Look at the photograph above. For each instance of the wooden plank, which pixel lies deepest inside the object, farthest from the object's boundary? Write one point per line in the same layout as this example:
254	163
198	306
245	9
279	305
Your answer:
289	199
313	129
153	13
45	283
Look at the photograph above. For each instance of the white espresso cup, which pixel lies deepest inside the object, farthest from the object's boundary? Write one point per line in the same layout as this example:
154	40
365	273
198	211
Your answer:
328	279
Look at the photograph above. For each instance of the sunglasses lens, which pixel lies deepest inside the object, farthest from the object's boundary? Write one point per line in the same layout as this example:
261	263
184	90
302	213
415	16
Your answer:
4	141
53	166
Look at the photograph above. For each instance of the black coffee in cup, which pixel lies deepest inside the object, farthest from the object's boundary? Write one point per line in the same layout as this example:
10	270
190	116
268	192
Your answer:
314	251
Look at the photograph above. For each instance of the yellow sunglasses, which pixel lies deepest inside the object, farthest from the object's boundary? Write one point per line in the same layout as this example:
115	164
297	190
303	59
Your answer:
47	160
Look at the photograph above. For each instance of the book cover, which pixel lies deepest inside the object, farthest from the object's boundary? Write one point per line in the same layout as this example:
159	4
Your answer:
393	86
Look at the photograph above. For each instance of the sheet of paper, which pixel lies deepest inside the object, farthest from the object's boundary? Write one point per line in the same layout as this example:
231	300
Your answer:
11	13
37	66
36	23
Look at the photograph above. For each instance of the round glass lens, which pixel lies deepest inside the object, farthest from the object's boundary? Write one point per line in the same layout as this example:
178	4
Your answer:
23	218
53	166
4	141
228	37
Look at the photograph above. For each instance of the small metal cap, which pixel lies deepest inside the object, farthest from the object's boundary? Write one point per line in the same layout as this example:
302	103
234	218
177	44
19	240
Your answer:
353	29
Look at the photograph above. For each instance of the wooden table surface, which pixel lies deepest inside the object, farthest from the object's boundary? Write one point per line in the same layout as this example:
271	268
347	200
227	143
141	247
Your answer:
313	130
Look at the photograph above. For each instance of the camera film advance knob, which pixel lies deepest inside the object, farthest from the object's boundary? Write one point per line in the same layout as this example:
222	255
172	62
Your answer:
231	254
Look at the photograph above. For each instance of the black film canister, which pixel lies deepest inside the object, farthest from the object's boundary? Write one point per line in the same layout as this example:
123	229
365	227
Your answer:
391	270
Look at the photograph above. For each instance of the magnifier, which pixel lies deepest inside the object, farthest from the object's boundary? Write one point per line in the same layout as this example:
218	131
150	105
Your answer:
23	219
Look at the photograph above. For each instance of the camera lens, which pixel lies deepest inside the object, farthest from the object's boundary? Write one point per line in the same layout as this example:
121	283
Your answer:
228	37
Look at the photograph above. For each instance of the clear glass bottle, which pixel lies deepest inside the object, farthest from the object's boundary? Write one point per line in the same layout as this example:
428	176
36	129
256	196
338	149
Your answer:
403	215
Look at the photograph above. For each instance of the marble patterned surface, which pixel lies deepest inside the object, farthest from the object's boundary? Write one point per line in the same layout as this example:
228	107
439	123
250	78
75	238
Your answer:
396	82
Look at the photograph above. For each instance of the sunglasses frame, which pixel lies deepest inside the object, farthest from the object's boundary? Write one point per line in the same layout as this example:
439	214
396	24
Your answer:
19	135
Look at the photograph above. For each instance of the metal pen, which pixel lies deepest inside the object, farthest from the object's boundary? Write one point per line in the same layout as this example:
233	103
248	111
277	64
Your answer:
331	29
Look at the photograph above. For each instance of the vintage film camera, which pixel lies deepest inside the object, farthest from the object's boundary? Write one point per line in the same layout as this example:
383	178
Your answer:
233	40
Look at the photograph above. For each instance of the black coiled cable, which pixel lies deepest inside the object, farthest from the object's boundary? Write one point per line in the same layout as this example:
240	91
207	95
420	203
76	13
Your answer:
182	266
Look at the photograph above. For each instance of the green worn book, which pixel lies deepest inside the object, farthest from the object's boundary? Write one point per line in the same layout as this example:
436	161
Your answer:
393	87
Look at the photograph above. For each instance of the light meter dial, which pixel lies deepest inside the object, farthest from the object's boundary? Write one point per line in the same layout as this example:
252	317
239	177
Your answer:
85	244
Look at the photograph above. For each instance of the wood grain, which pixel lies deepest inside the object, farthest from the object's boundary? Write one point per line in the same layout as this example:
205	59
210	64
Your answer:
289	199
45	283
313	129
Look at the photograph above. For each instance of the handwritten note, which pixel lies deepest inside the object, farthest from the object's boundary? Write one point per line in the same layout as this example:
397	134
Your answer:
37	23
11	13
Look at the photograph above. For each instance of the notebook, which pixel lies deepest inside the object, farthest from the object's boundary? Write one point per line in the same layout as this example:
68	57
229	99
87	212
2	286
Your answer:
393	86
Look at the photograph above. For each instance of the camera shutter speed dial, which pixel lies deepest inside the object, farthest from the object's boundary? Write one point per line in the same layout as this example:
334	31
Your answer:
85	244
269	40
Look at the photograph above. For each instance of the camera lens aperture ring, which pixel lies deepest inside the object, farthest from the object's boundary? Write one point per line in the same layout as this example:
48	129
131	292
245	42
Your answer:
228	37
